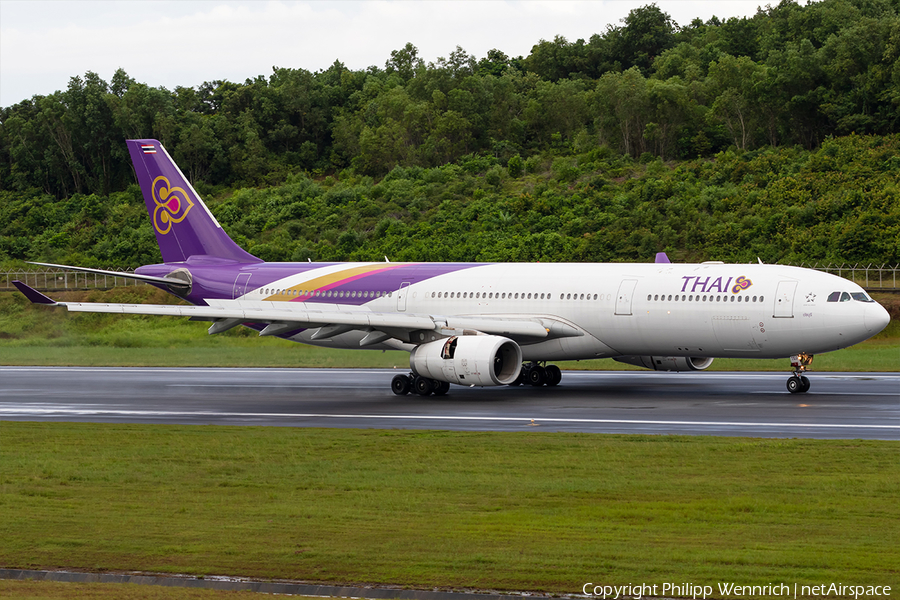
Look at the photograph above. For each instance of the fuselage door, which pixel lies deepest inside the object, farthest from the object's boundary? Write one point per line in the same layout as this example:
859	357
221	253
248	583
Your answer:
240	285
784	300
401	296
625	296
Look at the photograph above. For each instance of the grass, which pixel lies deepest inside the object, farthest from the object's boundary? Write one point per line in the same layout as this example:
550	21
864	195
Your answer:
35	335
515	511
52	590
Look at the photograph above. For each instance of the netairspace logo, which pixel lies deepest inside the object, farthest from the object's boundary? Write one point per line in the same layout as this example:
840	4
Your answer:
733	590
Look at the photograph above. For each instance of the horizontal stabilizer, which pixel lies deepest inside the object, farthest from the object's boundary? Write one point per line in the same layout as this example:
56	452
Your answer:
135	276
33	295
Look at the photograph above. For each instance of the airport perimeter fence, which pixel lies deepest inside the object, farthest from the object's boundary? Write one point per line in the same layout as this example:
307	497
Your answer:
871	277
60	279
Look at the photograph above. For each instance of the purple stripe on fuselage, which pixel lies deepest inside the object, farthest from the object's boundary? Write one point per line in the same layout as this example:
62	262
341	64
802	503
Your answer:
345	284
215	279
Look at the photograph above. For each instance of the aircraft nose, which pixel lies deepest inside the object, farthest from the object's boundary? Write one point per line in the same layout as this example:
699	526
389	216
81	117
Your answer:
876	318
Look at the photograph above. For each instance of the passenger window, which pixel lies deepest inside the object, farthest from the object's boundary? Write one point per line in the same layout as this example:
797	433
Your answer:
834	296
649	297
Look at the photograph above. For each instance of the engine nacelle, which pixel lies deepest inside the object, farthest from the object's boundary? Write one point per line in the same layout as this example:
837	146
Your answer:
667	363
468	360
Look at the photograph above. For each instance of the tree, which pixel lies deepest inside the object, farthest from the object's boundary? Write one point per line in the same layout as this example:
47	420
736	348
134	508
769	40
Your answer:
731	82
647	32
404	62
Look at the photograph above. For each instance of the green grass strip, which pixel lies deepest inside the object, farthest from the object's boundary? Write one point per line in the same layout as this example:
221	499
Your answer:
51	590
516	511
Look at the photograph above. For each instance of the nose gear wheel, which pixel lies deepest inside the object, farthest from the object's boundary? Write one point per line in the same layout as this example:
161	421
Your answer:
798	383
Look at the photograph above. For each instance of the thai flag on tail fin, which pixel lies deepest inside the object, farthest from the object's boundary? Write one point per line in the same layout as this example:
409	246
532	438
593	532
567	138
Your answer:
148	148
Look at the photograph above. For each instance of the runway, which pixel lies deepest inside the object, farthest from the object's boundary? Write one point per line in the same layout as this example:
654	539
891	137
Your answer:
839	405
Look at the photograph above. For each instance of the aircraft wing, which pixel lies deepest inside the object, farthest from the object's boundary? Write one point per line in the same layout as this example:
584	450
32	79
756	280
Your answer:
226	314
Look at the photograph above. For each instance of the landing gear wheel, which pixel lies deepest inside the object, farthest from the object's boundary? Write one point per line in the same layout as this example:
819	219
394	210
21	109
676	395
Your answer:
798	383
400	385
423	386
441	388
553	374
536	376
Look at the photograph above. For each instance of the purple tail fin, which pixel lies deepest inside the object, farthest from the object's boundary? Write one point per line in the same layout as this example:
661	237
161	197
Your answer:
183	224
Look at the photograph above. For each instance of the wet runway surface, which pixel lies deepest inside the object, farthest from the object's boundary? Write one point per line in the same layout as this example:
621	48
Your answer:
839	405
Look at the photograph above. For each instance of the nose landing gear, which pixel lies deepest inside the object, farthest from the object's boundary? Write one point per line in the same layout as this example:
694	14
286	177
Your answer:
799	383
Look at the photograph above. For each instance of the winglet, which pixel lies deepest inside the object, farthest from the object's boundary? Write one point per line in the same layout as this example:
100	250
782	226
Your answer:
662	257
32	294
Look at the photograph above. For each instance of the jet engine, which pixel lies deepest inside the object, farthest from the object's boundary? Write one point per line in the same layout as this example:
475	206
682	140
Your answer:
667	363
468	360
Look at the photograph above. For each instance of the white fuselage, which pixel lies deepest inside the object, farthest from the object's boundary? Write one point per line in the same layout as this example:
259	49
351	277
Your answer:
708	309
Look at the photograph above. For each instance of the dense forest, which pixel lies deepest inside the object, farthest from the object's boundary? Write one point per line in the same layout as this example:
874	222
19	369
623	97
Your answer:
774	135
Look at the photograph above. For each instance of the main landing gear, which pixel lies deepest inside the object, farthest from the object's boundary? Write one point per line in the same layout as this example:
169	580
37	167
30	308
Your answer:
531	373
537	375
799	383
404	384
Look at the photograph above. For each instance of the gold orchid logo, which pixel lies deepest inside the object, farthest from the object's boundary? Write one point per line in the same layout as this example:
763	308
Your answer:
172	205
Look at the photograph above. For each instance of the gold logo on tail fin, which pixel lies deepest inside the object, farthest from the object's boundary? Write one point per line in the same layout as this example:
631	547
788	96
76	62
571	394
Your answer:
172	205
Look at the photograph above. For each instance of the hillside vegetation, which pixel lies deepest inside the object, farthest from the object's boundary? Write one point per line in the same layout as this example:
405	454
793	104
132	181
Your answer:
771	136
840	203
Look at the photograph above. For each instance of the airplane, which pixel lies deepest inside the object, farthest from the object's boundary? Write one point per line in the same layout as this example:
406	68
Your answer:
488	324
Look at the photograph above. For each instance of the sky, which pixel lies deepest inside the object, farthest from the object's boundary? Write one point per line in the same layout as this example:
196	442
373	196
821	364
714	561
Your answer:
186	42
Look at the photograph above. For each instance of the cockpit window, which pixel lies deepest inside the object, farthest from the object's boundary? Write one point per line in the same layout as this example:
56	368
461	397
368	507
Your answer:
845	297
